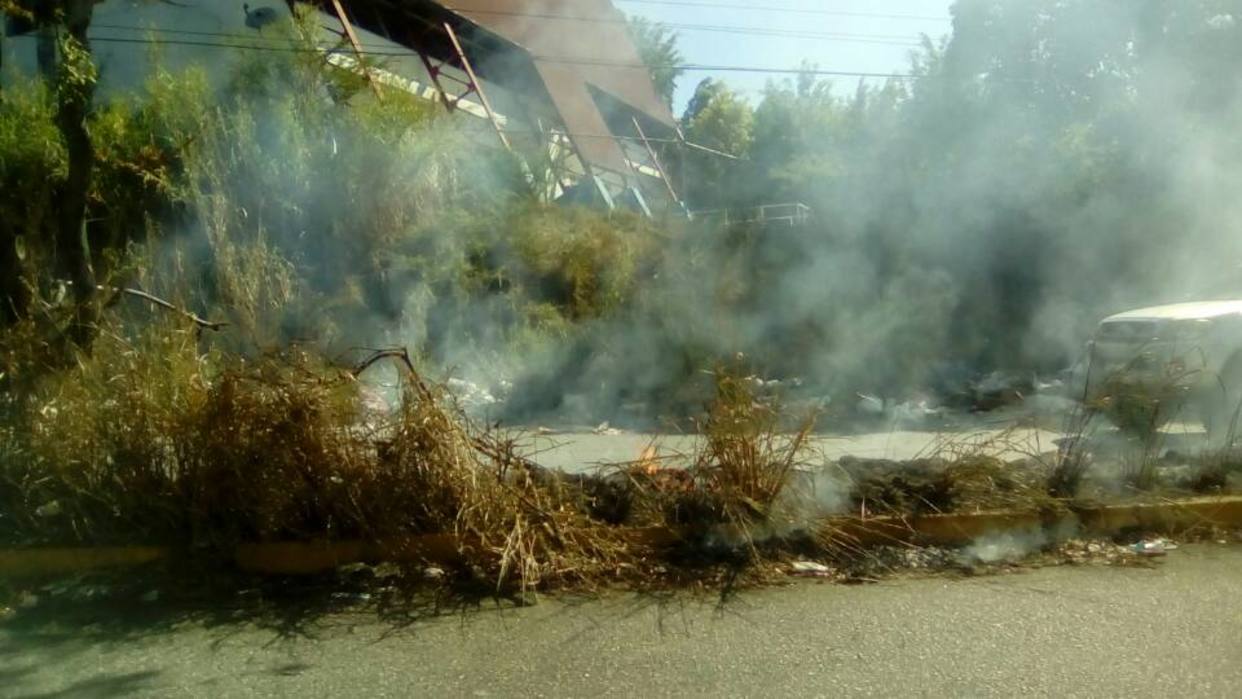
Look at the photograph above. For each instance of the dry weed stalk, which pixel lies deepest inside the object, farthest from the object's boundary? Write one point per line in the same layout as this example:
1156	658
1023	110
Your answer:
743	471
146	440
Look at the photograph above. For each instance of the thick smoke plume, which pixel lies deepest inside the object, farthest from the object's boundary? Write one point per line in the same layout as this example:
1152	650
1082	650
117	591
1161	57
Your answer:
1050	163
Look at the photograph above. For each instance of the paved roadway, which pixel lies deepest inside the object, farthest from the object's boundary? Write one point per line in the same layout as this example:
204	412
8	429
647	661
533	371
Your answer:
1172	630
579	451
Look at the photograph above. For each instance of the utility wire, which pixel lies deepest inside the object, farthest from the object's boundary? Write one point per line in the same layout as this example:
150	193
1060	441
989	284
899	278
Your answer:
843	36
790	10
881	39
687	67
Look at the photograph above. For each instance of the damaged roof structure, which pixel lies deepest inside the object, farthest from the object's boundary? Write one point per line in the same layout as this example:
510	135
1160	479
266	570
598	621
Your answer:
559	81
560	77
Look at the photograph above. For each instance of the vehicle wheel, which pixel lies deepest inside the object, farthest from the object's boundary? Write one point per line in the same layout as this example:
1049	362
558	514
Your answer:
1219	407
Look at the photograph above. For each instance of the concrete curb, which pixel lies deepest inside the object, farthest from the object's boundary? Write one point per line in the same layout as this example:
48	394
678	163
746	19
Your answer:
51	561
1170	517
301	558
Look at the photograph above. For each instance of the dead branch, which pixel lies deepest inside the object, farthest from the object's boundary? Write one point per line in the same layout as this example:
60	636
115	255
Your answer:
157	301
487	447
399	353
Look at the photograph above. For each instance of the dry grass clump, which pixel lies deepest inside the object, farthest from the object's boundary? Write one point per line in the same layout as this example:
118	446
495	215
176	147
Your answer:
938	485
738	486
1072	460
1138	406
150	440
437	472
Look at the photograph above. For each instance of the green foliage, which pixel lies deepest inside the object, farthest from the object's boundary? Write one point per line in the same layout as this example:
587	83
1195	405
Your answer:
721	119
137	178
32	161
1033	179
585	262
657	47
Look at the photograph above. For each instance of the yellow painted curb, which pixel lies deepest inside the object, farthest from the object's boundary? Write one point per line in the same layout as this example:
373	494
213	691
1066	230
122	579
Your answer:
1170	517
48	561
299	558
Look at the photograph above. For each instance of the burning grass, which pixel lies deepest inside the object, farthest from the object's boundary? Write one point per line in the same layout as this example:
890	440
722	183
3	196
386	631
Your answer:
937	485
148	440
156	438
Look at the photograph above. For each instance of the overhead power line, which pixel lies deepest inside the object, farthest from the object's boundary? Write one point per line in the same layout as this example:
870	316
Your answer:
775	31
882	39
688	67
789	10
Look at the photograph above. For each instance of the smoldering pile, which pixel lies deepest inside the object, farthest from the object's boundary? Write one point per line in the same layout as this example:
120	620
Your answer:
939	485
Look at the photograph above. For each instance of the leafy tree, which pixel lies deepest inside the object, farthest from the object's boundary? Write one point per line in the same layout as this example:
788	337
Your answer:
65	60
657	47
720	119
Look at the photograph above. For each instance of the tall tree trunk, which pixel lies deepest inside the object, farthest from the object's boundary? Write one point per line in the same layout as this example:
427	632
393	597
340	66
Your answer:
75	92
4	35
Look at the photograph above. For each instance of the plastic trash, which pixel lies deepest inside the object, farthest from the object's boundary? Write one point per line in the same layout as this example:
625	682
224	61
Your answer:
810	569
1153	547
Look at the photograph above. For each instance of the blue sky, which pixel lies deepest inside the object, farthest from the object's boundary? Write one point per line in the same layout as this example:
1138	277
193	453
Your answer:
874	44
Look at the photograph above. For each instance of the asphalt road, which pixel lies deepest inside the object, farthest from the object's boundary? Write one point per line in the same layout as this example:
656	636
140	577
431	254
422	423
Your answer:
1171	630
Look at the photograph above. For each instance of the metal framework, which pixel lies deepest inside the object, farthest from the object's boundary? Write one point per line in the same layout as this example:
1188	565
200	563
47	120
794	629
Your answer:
619	169
347	30
655	160
470	85
792	215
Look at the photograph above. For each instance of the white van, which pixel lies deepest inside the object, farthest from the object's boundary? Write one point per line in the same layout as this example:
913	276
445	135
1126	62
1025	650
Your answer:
1183	360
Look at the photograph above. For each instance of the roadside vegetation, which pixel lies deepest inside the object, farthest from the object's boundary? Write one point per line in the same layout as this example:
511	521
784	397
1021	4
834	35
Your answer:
247	333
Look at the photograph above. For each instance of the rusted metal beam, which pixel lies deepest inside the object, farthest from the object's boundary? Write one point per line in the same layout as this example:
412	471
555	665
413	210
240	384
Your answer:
470	85
478	87
655	160
352	36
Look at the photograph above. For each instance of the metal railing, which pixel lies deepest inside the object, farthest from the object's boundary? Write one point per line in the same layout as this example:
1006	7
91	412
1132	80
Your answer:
792	214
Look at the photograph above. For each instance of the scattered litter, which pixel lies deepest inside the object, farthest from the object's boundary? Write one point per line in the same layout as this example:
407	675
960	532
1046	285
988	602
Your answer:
1153	547
870	405
152	596
1008	546
49	509
386	570
27	600
470	395
433	573
605	429
810	569
351	596
1053	386
1083	551
913	413
352	569
90	592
